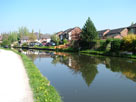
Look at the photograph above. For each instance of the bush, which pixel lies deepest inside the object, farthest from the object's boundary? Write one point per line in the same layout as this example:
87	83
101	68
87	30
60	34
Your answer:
104	45
24	45
134	47
129	38
115	45
109	40
65	41
15	45
6	43
129	42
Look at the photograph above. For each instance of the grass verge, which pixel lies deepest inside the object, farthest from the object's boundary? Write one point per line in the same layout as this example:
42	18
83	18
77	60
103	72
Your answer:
42	90
108	53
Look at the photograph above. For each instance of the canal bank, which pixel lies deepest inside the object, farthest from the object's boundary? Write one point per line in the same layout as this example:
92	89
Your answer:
41	88
81	78
109	53
89	51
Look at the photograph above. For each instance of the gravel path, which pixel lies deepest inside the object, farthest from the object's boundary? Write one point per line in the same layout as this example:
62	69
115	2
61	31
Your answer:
14	83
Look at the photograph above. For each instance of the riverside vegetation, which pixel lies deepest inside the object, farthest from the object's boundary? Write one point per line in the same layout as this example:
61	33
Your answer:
42	90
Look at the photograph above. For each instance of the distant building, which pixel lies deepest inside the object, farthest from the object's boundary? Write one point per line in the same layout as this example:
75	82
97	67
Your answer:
59	33
45	38
102	33
132	28
116	33
24	39
37	36
70	34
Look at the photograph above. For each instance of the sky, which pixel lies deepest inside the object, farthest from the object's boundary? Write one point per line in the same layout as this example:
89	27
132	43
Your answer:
50	16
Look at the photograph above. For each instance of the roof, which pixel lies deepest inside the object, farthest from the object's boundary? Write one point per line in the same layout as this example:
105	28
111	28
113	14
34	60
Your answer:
59	33
115	31
102	31
25	38
45	36
69	30
132	26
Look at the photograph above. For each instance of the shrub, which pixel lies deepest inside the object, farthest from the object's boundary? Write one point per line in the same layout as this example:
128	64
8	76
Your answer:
15	45
129	42
115	45
109	40
65	41
6	43
24	45
102	45
129	38
134	46
105	45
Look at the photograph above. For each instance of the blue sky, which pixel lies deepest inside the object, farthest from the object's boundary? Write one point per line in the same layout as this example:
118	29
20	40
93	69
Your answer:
55	15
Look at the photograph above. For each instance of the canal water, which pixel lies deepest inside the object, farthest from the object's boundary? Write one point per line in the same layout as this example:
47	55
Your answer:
82	78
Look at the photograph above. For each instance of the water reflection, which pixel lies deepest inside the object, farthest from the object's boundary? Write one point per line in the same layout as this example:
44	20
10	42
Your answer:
87	65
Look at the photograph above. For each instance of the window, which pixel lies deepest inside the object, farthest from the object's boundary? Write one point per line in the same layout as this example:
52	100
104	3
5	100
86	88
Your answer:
132	30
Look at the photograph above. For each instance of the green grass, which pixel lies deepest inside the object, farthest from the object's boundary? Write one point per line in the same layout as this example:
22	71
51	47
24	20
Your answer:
46	47
108	53
42	90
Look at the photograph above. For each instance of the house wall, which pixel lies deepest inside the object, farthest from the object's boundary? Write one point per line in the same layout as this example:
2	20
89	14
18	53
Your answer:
41	40
124	32
25	41
48	40
114	35
75	34
120	35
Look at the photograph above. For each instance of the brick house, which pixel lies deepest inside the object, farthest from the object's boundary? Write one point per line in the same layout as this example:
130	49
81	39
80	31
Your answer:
116	33
132	28
102	33
70	34
60	35
44	38
24	39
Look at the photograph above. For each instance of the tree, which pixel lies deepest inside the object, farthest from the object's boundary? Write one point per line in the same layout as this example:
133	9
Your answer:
132	23
13	36
23	31
55	39
89	32
32	36
32	31
5	40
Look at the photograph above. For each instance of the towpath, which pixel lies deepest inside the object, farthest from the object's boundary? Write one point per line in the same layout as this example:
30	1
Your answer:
14	82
